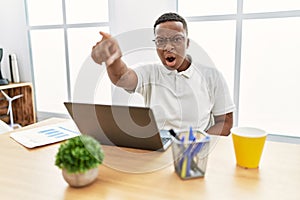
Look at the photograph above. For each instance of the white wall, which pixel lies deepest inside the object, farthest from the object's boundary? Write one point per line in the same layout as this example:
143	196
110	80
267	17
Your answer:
13	37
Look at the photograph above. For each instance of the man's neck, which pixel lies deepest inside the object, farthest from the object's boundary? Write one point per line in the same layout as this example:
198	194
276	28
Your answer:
186	63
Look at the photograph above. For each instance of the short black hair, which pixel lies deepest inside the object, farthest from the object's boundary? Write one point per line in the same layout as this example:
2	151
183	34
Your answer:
171	17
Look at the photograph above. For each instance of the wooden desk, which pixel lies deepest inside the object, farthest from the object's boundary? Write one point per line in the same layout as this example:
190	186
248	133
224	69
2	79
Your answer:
31	174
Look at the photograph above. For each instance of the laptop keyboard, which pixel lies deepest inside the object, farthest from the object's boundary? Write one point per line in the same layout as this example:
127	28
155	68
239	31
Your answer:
165	139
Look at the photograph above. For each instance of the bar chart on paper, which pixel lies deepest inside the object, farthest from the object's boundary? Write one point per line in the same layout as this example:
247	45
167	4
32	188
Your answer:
46	135
56	132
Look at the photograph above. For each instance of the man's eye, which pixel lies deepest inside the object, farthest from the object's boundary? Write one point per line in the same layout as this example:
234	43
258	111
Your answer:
160	41
177	39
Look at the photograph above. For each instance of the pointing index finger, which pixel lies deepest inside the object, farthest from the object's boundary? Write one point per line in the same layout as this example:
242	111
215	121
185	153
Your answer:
105	35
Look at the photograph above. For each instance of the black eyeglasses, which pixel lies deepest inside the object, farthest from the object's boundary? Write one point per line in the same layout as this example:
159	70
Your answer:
176	41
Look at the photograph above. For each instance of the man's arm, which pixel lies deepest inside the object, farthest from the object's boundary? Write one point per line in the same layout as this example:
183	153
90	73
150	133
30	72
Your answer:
222	126
107	50
121	75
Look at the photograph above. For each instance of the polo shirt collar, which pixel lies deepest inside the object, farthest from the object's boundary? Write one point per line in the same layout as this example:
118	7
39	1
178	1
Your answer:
186	73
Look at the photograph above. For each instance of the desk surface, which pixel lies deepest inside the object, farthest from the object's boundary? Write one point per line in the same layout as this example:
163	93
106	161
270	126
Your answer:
31	174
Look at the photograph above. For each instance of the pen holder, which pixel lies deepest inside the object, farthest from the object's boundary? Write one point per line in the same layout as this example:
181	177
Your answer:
190	156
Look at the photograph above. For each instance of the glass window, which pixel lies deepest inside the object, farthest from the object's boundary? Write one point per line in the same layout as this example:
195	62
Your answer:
44	12
48	53
206	7
269	93
49	46
250	6
80	44
218	41
87	11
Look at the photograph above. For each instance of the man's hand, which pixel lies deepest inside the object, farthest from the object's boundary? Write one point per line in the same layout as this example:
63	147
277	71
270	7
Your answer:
106	50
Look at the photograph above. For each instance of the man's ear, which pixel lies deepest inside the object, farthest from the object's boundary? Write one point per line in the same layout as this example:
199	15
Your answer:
187	42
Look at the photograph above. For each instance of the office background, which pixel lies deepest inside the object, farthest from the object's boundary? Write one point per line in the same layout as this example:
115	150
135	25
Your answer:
254	43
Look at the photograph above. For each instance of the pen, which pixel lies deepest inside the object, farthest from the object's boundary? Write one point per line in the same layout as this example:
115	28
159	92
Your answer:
196	150
191	135
179	165
186	161
172	132
189	152
199	146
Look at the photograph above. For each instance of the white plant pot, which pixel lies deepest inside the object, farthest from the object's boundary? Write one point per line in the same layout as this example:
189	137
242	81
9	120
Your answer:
80	179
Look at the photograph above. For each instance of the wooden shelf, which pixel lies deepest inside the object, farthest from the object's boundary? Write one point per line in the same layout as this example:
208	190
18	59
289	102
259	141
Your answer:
23	108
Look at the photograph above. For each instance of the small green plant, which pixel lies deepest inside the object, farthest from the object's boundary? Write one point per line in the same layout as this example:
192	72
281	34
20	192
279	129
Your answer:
79	154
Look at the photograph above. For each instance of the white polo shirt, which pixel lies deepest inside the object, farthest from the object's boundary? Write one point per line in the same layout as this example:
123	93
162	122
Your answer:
183	99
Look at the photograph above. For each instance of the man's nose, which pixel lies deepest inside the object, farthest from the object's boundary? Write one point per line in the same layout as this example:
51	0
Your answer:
168	46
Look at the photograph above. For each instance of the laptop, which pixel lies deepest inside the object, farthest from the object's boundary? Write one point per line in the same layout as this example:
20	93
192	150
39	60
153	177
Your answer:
124	126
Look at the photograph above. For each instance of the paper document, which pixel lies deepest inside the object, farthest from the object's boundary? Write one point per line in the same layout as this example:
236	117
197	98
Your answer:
46	134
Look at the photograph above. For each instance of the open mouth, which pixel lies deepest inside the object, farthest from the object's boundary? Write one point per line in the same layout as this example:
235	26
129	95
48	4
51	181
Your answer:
170	60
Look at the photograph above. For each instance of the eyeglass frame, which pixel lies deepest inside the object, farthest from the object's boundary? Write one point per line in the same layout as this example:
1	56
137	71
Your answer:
169	39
